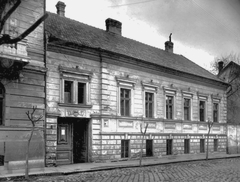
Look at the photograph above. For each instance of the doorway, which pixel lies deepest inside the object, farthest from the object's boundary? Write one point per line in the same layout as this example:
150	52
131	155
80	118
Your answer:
72	140
169	147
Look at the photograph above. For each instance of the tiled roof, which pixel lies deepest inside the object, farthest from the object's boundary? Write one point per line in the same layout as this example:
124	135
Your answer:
75	32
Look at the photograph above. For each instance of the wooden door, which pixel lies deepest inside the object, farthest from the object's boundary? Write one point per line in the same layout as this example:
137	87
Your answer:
186	146
64	142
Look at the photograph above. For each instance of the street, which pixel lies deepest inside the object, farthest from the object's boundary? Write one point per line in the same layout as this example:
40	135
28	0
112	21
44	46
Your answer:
221	170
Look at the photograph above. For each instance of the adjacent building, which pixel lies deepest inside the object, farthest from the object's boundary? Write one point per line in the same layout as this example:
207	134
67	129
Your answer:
101	87
230	74
22	86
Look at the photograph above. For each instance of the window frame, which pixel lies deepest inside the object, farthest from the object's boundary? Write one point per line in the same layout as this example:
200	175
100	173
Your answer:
125	83
213	112
126	111
216	99
172	93
124	153
152	89
187	95
75	76
202	98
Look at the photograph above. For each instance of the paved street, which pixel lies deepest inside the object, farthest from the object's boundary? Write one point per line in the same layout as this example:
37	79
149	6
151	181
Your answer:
222	170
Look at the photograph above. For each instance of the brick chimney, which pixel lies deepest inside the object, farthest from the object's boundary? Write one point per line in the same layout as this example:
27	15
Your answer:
113	26
220	66
169	44
61	8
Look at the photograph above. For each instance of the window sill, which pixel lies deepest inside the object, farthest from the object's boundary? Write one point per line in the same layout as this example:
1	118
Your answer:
75	105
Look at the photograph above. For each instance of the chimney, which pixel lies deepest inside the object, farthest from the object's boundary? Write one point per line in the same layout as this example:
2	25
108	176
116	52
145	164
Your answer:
220	66
61	8
113	26
169	44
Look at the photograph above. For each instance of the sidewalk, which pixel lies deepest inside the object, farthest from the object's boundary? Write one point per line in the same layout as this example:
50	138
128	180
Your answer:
86	167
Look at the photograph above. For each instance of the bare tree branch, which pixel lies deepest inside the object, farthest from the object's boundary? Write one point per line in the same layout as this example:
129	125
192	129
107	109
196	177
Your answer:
8	14
8	40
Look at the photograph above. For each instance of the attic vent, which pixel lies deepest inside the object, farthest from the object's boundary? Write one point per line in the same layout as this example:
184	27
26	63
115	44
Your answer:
113	26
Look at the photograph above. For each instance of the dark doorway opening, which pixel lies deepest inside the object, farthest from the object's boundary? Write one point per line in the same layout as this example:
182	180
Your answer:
149	148
72	140
169	146
202	145
215	145
186	146
80	141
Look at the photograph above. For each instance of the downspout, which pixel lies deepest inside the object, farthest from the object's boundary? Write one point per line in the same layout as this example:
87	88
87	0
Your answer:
45	80
101	62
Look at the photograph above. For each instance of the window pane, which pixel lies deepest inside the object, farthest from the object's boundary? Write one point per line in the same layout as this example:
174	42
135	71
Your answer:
125	102
186	109
68	87
81	93
202	110
215	112
169	107
149	105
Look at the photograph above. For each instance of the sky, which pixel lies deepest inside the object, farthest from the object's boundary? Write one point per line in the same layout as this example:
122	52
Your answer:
201	29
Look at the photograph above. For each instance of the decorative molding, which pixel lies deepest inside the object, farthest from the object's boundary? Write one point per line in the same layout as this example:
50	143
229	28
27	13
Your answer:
149	87
202	96
124	123
75	73
170	90
126	82
216	98
188	94
169	125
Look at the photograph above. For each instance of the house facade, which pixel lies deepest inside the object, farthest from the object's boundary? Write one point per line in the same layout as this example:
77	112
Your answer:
102	88
22	86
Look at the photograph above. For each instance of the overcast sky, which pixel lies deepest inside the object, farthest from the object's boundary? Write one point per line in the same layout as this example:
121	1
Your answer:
201	29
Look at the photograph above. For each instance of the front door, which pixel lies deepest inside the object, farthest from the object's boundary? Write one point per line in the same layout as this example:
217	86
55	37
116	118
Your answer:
64	142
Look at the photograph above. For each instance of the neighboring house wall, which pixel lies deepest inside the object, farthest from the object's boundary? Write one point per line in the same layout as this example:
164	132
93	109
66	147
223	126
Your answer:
22	94
230	74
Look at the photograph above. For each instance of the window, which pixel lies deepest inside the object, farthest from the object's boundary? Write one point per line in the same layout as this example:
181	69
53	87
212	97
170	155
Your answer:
169	147
186	146
62	134
215	145
1	104
202	145
215	112
149	105
169	107
125	101
202	110
187	109
124	148
149	148
75	86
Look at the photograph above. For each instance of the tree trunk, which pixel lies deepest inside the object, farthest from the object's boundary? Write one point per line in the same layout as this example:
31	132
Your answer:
27	154
141	154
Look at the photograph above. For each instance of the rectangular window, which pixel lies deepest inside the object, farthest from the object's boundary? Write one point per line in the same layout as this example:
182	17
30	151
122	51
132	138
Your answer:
215	145
62	134
68	91
215	112
169	147
125	101
202	145
186	146
149	148
81	93
169	107
149	104
124	148
202	110
187	109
